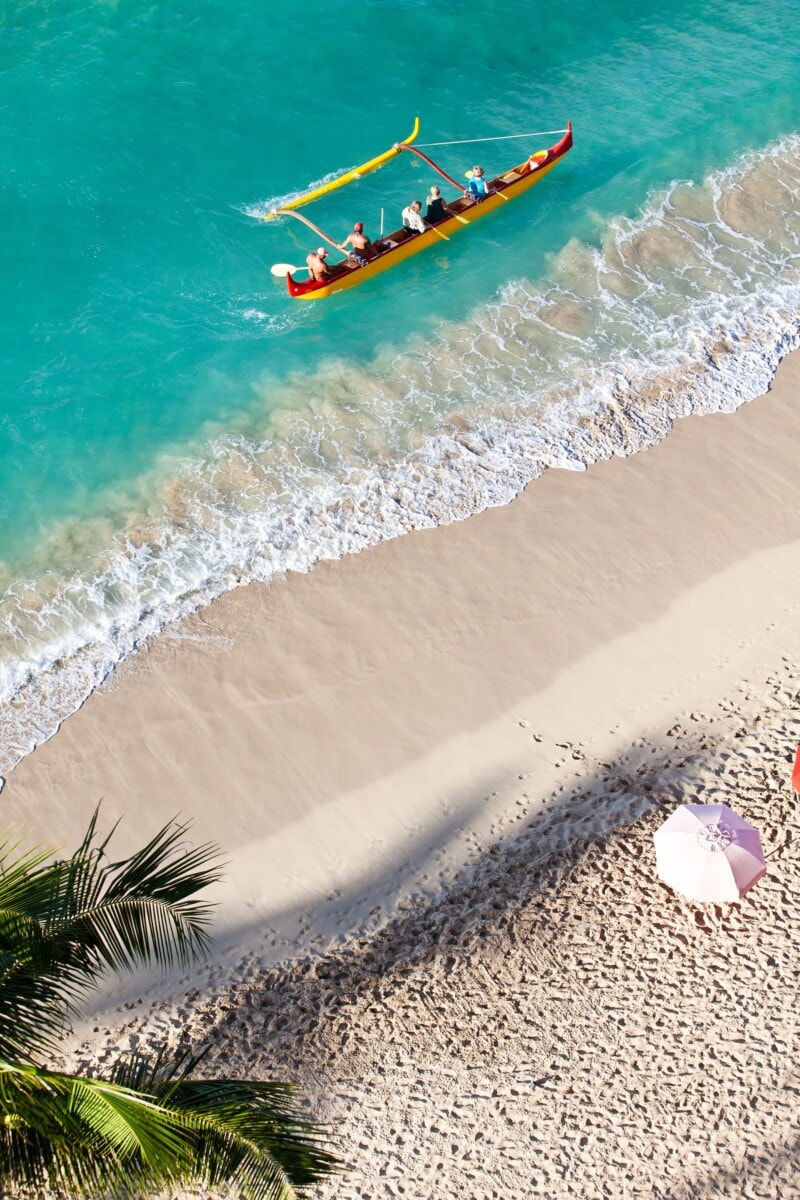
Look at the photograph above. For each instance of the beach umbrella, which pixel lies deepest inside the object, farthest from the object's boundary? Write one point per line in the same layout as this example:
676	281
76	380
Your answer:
709	853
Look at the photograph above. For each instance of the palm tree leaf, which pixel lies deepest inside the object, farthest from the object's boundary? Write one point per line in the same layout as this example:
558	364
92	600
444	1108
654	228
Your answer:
92	1136
32	1015
23	874
143	908
151	1126
64	923
40	973
70	1132
264	1115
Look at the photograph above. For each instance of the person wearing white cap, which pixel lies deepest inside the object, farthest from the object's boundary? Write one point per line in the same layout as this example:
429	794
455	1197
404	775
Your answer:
317	267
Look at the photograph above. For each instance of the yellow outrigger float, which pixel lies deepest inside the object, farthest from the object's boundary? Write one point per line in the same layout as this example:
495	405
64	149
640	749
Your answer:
343	180
393	249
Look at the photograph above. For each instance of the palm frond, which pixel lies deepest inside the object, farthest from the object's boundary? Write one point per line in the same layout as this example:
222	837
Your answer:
40	973
84	1136
260	1121
23	874
33	1013
91	1136
264	1116
142	909
64	923
150	1126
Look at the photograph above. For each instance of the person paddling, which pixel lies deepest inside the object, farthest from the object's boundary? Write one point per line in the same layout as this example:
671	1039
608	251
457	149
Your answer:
477	188
317	267
437	210
363	248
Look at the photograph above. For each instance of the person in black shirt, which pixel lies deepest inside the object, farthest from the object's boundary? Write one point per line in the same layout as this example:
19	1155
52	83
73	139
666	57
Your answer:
437	209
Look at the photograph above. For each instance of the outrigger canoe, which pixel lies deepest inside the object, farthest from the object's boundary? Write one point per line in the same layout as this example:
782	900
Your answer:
400	245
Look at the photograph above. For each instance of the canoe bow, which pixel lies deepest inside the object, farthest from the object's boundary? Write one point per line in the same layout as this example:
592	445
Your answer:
348	177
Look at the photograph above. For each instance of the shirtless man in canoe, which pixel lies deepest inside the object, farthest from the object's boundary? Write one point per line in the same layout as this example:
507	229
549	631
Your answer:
363	249
317	267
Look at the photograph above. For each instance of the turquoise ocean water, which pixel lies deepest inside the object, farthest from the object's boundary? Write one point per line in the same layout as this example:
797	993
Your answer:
173	424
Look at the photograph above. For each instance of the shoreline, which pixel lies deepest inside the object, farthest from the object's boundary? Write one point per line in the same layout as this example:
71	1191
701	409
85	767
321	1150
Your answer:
436	768
339	728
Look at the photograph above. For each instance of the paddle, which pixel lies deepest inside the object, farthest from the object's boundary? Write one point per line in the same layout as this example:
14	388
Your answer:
283	269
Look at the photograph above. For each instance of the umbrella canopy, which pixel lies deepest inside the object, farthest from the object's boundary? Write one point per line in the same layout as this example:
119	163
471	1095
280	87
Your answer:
709	853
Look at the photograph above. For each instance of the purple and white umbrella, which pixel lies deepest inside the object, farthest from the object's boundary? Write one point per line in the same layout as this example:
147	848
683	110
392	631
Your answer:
708	853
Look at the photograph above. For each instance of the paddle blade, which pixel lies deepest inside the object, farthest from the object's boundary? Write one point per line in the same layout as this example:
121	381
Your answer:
284	269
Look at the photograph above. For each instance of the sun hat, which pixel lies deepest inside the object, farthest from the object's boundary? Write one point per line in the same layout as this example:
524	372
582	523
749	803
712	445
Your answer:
322	252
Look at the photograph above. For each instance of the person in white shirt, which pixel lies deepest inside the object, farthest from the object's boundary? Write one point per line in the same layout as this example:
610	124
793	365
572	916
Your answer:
413	219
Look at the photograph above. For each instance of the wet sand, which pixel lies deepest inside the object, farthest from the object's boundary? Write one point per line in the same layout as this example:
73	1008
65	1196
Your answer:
435	769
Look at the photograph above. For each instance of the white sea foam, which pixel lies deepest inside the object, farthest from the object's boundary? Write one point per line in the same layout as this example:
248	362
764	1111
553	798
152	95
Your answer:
688	308
262	208
269	323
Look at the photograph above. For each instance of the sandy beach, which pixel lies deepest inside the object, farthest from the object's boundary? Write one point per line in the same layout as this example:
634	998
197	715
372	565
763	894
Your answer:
435	769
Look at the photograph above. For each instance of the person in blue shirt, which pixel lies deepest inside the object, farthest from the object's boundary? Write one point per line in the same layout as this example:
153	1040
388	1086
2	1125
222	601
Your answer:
477	187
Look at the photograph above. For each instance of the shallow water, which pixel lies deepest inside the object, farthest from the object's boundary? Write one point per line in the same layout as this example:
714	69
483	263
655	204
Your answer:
175	424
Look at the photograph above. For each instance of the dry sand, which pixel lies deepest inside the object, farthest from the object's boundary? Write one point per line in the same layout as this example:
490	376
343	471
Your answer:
558	1024
435	768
